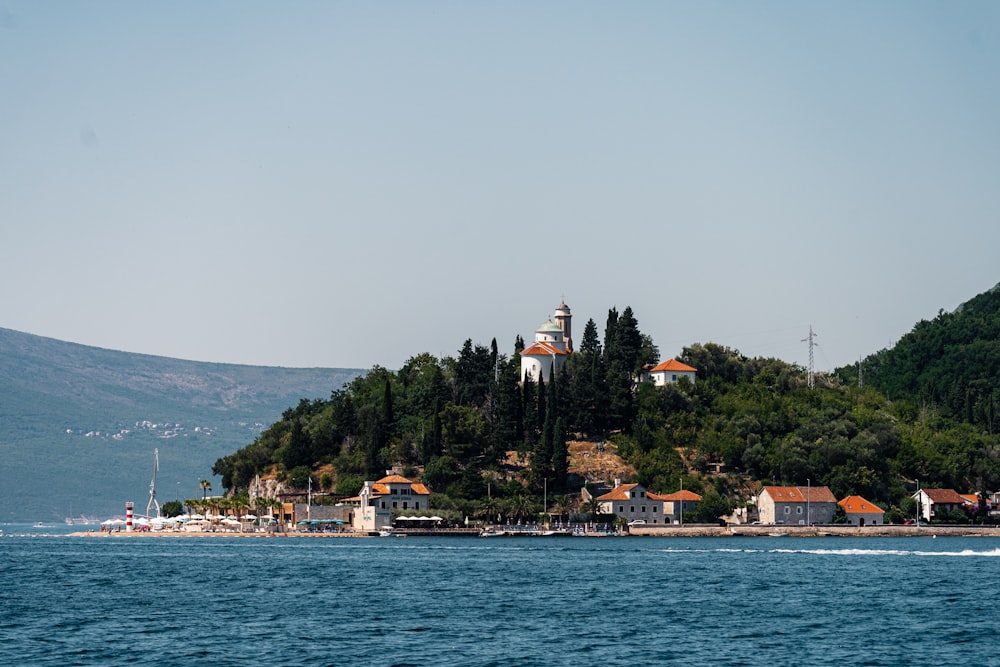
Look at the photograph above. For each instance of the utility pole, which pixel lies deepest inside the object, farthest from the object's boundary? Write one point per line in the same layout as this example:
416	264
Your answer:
681	499
812	367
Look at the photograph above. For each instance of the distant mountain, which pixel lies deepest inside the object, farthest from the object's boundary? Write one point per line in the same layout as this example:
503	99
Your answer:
79	424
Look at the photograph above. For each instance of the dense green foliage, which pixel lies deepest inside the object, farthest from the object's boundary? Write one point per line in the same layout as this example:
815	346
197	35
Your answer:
951	364
458	417
754	418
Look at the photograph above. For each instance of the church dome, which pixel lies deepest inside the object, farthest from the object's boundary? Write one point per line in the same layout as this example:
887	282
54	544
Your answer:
549	327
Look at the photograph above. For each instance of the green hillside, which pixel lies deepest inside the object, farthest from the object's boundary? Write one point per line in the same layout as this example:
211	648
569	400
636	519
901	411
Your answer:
950	363
78	424
453	422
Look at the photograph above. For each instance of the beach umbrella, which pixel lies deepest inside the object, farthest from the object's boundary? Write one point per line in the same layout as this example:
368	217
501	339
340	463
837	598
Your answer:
249	517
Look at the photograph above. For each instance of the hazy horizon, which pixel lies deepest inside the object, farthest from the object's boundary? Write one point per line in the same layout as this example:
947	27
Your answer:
327	185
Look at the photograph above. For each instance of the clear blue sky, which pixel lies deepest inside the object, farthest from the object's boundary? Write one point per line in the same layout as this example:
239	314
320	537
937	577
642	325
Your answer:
349	184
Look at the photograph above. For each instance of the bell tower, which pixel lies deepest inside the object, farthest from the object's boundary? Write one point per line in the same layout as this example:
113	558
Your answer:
565	321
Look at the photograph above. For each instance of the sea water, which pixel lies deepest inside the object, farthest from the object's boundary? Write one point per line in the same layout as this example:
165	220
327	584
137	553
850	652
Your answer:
499	601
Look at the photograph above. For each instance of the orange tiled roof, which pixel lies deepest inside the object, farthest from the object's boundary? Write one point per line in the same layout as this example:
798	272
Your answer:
393	479
797	494
858	505
677	496
673	365
618	493
970	498
420	489
541	349
944	496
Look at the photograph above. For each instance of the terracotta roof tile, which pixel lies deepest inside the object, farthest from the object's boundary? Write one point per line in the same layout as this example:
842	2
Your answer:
673	365
393	479
858	505
678	496
541	349
797	494
944	496
618	493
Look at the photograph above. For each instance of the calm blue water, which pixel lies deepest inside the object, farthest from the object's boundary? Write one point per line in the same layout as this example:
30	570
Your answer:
499	601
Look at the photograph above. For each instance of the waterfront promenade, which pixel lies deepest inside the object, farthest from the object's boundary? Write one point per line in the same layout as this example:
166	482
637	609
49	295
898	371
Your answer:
673	530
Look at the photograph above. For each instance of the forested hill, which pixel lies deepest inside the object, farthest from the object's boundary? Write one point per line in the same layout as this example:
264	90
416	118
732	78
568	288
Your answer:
455	422
78	424
950	363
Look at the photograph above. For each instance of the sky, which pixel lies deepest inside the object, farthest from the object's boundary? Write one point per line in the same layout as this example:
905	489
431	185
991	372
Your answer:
345	184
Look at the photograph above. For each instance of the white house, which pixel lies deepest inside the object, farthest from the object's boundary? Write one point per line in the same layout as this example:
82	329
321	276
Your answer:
796	505
377	500
861	512
932	500
677	504
669	372
632	502
553	343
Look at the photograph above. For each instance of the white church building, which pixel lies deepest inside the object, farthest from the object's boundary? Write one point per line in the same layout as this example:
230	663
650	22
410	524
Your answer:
553	344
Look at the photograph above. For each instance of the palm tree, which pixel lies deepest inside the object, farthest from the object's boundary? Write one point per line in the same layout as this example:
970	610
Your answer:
522	507
593	508
206	486
561	507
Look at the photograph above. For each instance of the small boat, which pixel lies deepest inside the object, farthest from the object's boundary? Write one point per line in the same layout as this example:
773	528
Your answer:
492	533
777	534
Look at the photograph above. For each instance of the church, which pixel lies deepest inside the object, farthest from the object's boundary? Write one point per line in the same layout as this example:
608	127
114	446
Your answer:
553	344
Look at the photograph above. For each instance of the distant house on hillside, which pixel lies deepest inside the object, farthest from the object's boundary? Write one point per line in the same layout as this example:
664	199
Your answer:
668	372
933	501
861	512
553	344
377	500
796	505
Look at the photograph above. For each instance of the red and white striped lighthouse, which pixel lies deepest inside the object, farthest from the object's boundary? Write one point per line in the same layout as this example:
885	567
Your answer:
128	515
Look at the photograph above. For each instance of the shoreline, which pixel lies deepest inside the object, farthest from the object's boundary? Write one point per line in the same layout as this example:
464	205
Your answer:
697	530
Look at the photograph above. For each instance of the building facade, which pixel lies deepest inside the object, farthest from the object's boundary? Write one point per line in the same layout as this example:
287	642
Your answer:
861	512
796	505
632	502
669	372
552	345
378	500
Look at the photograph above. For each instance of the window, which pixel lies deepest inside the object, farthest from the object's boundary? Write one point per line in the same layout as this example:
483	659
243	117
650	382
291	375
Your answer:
642	494
631	510
393	504
404	504
643	509
633	494
798	510
788	510
621	509
654	511
383	504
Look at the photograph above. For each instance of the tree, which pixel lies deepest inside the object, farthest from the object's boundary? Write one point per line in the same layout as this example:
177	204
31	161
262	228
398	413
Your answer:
172	508
711	508
206	486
